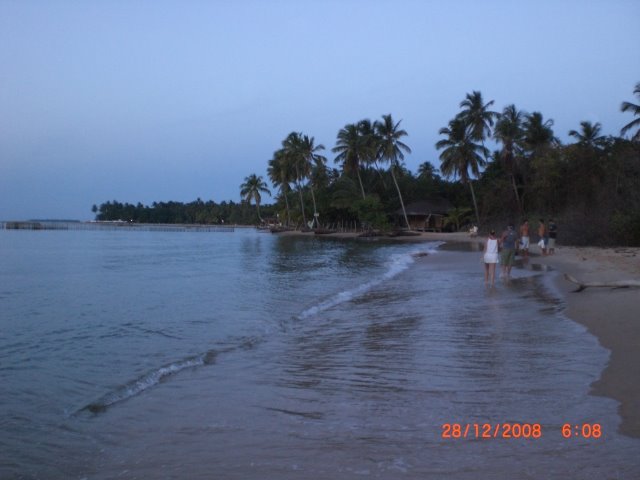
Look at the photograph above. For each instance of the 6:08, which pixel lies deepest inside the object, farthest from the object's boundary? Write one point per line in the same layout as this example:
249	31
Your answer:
585	430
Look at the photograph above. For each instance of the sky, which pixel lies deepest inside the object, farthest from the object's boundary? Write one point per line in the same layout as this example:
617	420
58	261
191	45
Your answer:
143	101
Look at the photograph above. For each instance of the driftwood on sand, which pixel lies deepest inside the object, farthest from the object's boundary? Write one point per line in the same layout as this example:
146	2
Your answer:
614	284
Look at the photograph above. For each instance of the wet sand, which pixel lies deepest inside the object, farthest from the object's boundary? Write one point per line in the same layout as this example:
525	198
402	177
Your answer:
612	315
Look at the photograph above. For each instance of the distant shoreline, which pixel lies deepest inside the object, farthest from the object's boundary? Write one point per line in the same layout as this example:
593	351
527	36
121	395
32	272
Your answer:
37	225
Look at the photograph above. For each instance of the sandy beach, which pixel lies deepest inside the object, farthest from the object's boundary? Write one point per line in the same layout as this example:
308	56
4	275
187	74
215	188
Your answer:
609	314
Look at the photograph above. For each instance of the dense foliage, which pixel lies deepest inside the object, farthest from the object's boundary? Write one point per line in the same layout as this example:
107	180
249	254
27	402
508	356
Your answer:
197	212
590	187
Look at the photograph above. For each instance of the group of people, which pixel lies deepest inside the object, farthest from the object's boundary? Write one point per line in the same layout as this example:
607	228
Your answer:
503	250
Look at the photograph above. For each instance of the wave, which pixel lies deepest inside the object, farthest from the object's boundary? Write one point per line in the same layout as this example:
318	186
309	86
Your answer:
158	375
397	264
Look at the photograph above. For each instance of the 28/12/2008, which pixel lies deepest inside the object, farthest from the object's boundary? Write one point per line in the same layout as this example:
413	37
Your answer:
515	430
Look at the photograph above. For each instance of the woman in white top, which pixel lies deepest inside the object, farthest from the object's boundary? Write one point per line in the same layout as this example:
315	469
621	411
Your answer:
490	258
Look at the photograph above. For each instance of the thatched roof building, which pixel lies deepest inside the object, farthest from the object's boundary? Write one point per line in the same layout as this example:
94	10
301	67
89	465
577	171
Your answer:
426	215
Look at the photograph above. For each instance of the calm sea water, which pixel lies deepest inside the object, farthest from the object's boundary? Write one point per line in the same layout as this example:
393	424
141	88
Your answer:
249	356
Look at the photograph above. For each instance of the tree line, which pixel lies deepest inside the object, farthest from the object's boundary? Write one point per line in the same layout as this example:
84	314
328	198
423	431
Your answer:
197	212
591	187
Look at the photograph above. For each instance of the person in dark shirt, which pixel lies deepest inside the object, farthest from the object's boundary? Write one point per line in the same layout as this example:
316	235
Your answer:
507	255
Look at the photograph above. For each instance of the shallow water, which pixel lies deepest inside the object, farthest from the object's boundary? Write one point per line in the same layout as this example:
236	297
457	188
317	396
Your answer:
246	355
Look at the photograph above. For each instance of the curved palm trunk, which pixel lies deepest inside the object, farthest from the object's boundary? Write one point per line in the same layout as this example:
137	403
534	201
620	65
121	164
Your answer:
258	208
379	170
315	211
304	216
286	204
510	163
515	190
404	212
360	181
475	204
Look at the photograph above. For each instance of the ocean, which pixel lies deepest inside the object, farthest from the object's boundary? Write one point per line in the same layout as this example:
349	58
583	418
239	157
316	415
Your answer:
244	355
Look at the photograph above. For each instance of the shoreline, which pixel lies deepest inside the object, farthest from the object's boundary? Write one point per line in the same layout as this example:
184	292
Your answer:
611	315
608	314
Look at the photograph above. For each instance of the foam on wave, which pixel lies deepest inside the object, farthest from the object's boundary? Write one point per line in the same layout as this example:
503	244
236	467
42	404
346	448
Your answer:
158	375
397	264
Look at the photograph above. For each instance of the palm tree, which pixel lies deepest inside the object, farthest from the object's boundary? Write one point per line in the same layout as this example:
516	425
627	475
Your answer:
311	160
351	150
390	149
251	189
635	109
301	151
426	170
291	155
510	134
538	133
371	146
460	154
280	174
477	116
538	143
589	134
457	215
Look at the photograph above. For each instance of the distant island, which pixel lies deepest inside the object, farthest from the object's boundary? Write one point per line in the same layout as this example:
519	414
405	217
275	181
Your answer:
196	212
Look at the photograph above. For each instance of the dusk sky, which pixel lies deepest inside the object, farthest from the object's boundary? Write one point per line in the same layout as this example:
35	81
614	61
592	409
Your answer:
143	101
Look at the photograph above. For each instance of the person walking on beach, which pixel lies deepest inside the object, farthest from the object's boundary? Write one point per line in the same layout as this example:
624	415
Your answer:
507	255
490	258
542	233
553	232
524	238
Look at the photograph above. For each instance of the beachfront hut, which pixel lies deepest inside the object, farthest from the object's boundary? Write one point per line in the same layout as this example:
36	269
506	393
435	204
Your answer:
426	215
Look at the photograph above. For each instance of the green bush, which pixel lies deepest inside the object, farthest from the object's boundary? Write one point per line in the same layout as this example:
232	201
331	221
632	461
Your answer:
625	227
370	212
